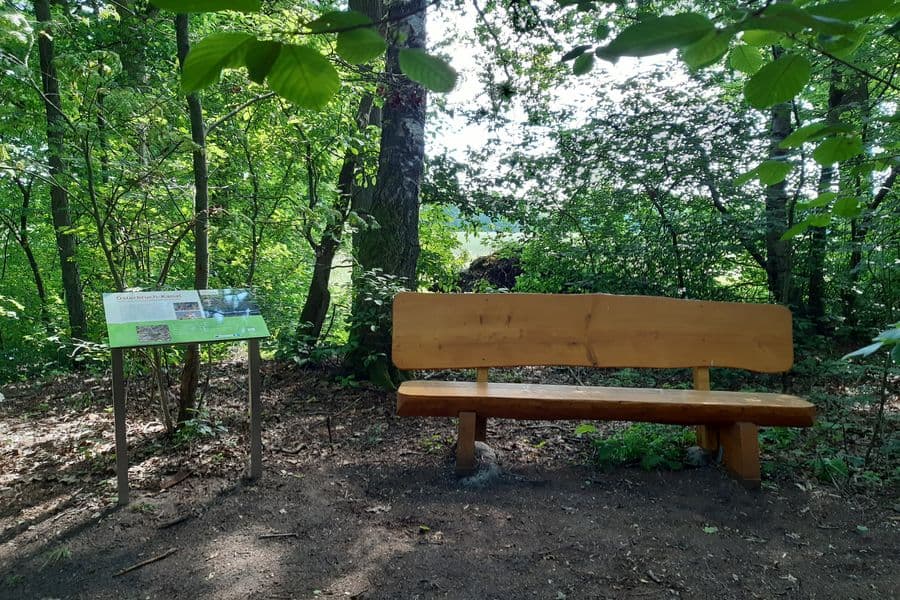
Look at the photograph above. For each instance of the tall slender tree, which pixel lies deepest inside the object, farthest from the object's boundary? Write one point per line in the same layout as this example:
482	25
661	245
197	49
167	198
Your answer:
191	372
66	242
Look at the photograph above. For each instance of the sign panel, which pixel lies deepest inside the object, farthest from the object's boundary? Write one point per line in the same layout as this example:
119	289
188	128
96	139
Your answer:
181	317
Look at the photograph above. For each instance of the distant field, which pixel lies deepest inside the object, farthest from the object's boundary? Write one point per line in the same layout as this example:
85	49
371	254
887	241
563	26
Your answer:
473	246
476	244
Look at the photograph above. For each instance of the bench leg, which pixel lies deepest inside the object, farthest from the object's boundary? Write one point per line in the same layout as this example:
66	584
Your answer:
465	443
480	428
707	437
740	452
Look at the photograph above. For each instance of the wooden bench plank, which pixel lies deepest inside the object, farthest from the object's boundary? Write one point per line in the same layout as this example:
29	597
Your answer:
455	331
530	401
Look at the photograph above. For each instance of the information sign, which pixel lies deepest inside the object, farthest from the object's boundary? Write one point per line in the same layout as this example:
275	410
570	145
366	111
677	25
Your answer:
136	319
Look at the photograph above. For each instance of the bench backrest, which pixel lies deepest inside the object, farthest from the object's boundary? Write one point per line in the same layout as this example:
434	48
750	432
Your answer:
457	331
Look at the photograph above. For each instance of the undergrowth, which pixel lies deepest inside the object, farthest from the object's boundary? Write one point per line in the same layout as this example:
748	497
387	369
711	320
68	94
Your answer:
648	445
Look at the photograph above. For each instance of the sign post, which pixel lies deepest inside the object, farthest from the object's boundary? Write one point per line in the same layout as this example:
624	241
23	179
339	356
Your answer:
140	319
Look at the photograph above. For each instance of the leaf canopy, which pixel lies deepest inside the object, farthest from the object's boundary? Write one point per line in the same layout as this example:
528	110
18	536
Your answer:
193	6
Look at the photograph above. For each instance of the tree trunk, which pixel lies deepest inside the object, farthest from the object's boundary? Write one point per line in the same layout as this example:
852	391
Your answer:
318	299
59	197
20	233
187	401
859	228
778	261
680	280
393	247
815	306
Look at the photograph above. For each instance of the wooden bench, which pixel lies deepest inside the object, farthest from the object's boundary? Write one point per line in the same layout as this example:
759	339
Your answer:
463	331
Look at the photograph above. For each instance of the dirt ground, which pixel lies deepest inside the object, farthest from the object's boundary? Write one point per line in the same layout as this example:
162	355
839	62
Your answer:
358	503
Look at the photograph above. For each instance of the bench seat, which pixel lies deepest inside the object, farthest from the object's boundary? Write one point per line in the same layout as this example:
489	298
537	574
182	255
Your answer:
533	401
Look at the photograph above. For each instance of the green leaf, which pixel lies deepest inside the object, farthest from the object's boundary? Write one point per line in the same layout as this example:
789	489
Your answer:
210	56
778	81
795	231
838	149
802	134
710	530
303	76
844	46
584	428
824	199
819	220
746	177
847	207
575	52
758	37
360	45
583	64
191	6
431	71
338	20
771	172
660	34
804	19
771	23
745	58
601	31
768	172
260	57
706	51
851	10
864	351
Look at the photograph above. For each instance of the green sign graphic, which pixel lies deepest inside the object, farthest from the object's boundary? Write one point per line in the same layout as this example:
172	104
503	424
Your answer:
136	319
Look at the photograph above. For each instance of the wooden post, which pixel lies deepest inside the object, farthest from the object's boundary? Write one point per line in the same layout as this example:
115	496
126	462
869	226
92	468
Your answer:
255	470
465	443
481	421
740	443
707	436
118	390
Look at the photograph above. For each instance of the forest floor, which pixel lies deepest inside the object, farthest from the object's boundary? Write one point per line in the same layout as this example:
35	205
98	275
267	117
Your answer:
358	503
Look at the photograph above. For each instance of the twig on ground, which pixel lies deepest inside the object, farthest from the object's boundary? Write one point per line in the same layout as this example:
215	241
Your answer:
174	521
174	480
149	561
265	536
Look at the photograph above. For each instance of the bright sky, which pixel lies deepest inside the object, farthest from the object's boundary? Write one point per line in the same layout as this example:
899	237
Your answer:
454	134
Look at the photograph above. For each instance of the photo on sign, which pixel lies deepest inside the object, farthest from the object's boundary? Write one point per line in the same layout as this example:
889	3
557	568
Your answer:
154	333
185	306
188	314
228	303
